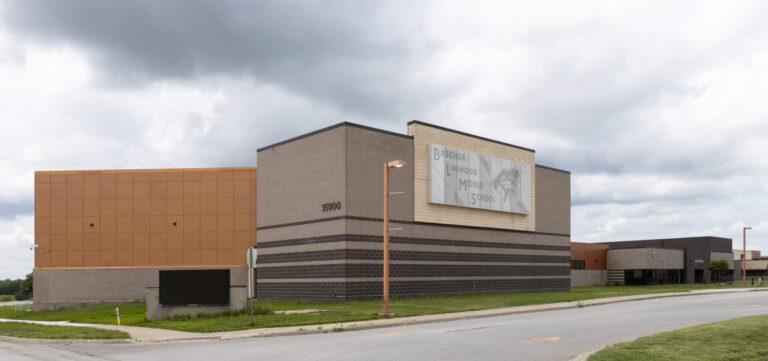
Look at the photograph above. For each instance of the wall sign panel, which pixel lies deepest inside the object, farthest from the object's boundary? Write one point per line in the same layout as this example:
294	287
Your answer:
467	179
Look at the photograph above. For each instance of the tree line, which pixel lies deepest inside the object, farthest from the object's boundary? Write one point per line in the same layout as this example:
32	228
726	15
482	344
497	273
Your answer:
20	288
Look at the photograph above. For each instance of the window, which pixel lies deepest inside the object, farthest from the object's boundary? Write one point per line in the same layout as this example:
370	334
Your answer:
578	264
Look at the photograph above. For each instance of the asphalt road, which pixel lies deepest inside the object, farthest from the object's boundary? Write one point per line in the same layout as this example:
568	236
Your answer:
550	335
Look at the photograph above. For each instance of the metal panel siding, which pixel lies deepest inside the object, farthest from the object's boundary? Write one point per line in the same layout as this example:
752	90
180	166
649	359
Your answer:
141	218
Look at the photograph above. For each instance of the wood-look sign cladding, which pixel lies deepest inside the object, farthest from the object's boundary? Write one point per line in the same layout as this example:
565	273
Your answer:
424	211
144	218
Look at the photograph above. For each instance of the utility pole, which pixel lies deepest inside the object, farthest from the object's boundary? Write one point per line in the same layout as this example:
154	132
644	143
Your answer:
744	260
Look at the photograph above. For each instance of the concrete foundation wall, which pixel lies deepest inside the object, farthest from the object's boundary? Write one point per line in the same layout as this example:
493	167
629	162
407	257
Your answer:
237	300
65	288
582	278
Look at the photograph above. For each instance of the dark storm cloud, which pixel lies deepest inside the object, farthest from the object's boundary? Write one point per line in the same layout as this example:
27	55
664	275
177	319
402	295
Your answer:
367	58
357	55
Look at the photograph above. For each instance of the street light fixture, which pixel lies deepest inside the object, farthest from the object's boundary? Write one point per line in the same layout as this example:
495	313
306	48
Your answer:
385	285
744	260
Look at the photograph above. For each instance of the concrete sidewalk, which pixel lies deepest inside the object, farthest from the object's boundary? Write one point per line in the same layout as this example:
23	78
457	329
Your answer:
147	334
13	303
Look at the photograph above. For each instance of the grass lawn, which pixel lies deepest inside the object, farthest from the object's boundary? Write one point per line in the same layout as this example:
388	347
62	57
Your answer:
740	339
130	314
133	313
27	330
5	298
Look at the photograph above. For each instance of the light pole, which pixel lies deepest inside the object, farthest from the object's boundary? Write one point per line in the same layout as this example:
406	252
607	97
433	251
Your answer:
744	260
385	285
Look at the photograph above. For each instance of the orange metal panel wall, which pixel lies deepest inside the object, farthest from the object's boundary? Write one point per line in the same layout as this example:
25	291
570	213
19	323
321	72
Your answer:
144	218
593	255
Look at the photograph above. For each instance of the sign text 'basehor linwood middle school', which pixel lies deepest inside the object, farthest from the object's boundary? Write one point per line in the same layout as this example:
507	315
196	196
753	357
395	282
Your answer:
467	179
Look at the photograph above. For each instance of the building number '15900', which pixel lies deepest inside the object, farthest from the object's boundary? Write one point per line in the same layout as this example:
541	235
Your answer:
332	206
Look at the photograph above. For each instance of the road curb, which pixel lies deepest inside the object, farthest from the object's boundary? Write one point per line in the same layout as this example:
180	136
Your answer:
585	355
49	341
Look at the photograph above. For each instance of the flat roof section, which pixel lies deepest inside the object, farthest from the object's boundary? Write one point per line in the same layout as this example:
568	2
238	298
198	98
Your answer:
334	127
142	170
553	169
469	135
399	135
715	244
667	239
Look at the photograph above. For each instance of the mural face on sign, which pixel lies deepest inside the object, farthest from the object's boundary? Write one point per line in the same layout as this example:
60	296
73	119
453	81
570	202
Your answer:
467	179
506	184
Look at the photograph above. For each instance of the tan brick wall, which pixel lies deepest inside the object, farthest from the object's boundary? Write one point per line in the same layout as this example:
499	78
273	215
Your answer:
424	211
299	176
144	218
553	201
366	153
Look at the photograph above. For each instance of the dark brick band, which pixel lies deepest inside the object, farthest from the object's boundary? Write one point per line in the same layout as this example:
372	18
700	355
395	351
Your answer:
368	254
379	220
333	254
301	241
291	224
329	219
341	291
353	270
310	291
407	240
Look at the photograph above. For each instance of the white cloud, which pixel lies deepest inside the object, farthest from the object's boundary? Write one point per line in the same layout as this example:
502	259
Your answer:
609	229
600	187
16	238
52	71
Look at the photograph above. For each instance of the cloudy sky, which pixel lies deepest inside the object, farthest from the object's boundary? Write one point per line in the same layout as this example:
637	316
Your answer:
659	110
